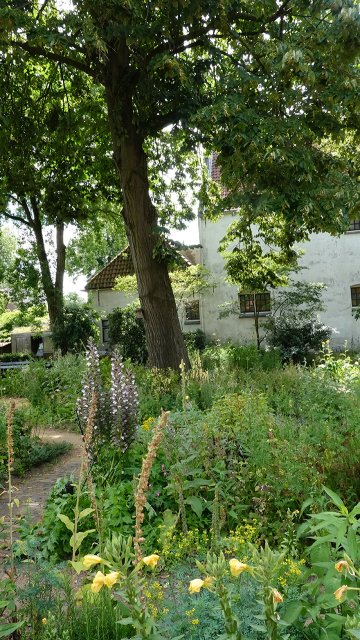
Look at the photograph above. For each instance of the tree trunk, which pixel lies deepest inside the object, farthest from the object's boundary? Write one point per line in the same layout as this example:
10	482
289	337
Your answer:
164	338
53	292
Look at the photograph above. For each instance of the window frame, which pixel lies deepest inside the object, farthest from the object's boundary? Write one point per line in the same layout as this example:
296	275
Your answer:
247	298
355	296
105	330
187	304
355	228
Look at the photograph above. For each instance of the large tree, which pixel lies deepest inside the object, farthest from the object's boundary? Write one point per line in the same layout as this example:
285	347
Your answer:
50	164
161	63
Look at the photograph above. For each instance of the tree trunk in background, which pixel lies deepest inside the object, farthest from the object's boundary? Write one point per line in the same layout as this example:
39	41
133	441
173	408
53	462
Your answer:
54	293
164	338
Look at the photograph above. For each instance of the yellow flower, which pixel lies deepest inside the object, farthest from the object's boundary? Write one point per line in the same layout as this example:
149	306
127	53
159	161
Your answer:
343	564
195	621
277	597
237	567
208	582
90	560
196	585
111	578
151	561
43	620
340	592
98	582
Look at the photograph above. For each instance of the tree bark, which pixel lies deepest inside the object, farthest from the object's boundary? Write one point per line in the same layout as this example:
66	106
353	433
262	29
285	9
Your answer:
164	338
54	293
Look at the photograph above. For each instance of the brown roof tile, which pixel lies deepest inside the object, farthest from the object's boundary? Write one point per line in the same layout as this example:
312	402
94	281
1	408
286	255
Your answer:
121	265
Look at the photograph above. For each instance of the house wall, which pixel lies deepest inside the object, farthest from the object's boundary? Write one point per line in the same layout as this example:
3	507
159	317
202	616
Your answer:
105	300
333	261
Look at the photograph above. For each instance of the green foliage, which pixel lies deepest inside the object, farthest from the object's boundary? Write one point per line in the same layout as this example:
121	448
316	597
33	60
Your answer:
97	241
31	317
127	332
51	386
195	340
79	322
297	341
293	327
29	450
95	617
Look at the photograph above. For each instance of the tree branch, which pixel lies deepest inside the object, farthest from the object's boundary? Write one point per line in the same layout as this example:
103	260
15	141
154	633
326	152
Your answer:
57	57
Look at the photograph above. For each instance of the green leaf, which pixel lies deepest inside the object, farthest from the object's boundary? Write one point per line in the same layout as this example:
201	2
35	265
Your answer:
77	566
198	482
7	629
291	611
354	633
196	504
336	500
67	522
75	541
85	512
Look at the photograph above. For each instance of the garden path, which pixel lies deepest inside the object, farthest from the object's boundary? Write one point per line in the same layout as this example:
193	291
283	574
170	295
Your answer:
33	490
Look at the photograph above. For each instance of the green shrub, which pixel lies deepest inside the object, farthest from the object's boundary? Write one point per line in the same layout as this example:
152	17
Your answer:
79	323
128	333
195	340
296	339
51	386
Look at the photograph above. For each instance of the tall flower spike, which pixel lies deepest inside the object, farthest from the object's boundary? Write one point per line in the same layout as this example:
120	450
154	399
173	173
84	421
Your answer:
143	485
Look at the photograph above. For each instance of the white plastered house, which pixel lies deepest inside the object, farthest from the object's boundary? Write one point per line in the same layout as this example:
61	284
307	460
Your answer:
334	261
104	299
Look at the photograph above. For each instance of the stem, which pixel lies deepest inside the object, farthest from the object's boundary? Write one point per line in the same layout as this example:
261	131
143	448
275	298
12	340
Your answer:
231	624
11	524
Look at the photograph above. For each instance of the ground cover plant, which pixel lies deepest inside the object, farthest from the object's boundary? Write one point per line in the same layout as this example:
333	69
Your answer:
29	449
244	498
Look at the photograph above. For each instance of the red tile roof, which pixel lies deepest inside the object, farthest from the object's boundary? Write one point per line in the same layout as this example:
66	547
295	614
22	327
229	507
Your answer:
121	265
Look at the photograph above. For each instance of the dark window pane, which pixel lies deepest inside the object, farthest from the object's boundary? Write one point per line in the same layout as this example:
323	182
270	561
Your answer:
105	330
354	225
248	301
355	296
192	311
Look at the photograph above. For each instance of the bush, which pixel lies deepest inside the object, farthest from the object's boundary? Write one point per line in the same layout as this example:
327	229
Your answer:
195	340
80	322
128	334
297	340
15	357
51	386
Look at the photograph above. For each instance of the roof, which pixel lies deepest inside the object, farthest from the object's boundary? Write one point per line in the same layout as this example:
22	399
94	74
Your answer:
31	329
121	265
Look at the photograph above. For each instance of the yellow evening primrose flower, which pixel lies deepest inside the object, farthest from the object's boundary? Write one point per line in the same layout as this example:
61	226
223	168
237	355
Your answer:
340	592
151	561
343	564
237	567
196	585
89	560
111	578
43	620
98	582
277	597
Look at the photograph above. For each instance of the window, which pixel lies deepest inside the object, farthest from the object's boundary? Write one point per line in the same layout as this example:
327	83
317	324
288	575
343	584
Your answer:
251	302
354	225
355	296
105	331
192	312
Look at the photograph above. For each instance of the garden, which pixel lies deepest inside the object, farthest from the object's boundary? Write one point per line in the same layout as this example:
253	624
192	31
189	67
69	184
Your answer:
218	502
